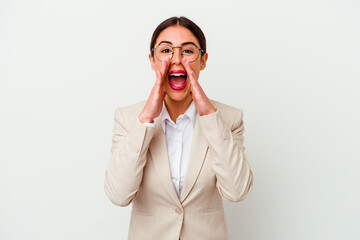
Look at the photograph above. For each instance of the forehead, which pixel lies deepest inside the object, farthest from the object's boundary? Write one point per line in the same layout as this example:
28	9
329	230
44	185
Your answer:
177	35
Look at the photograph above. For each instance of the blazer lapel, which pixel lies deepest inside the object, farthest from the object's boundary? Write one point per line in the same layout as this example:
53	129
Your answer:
199	148
159	157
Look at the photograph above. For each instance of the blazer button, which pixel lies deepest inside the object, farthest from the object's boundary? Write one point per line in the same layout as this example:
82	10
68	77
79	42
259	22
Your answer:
225	135
178	211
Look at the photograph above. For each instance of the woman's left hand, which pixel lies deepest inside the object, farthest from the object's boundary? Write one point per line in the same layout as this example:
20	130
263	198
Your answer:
201	101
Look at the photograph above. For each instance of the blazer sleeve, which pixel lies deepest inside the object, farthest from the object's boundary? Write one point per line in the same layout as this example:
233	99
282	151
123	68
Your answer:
233	173
124	171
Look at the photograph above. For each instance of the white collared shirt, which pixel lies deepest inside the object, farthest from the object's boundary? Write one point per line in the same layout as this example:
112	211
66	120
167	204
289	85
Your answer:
178	141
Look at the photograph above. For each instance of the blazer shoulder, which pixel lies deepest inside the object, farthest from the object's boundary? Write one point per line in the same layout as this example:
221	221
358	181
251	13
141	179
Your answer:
131	110
126	115
226	109
233	116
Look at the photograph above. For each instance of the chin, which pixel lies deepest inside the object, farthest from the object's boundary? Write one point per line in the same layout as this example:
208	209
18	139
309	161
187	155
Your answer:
178	96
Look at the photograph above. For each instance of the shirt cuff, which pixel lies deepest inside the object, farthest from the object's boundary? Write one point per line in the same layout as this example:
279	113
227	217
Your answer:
147	124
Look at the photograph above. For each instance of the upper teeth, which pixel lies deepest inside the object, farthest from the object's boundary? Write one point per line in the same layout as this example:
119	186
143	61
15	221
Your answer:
177	74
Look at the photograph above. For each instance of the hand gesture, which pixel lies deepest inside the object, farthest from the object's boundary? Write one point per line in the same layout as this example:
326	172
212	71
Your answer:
154	104
201	101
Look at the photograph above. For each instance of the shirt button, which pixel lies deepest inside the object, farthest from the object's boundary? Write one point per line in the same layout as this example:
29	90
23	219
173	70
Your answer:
225	135
137	149
178	211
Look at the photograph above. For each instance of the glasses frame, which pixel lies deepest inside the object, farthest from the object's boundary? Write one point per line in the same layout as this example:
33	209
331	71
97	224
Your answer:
173	51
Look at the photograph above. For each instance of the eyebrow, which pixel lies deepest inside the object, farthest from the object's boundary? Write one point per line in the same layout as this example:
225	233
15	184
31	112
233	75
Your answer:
183	44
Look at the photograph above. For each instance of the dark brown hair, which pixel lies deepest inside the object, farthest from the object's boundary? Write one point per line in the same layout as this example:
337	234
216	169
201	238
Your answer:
182	21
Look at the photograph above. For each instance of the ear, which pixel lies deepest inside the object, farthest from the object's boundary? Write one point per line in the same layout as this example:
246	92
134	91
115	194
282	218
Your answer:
203	61
151	58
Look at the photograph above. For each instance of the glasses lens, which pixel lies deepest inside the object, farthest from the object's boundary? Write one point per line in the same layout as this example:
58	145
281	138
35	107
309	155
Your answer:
163	51
190	52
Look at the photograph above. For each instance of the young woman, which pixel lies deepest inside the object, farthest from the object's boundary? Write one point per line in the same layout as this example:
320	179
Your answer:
176	155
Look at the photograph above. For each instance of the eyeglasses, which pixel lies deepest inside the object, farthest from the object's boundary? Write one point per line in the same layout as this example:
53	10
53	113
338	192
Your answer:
189	51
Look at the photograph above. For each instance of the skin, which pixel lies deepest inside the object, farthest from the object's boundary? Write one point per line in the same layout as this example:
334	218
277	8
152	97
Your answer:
176	101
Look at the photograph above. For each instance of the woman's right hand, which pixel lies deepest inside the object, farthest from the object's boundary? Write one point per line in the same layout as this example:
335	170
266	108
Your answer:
153	106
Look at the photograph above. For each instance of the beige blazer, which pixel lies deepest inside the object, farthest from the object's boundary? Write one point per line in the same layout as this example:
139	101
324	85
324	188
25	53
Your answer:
139	173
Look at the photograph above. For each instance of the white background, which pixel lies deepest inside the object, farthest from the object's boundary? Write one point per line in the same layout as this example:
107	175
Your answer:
292	66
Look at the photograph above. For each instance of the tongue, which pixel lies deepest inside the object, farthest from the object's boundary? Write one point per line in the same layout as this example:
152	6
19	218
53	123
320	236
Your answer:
177	81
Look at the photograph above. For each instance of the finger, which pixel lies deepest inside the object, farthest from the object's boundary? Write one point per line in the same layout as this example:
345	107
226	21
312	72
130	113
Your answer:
194	84
186	64
158	77
165	66
160	74
189	71
193	78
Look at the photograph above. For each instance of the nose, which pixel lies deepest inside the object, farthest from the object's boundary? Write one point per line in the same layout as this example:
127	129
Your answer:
176	59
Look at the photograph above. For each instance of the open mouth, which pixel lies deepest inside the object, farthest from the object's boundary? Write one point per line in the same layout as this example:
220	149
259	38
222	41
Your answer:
177	79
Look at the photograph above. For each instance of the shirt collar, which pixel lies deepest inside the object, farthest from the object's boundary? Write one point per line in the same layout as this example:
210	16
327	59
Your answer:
190	112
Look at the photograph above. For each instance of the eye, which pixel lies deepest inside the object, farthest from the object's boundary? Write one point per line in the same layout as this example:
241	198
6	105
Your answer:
166	50
188	51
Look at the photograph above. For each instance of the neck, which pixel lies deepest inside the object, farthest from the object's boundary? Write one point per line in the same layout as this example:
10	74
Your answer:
176	108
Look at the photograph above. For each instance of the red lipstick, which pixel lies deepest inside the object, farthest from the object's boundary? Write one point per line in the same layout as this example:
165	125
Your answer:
177	79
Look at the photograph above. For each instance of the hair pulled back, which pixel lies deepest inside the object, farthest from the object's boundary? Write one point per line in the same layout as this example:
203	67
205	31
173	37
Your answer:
182	21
